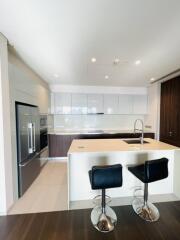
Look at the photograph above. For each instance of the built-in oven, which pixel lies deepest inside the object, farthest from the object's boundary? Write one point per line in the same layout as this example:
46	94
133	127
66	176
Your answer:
43	136
43	121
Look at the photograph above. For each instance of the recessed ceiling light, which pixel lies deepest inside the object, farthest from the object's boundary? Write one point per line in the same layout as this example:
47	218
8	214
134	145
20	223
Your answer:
116	60
93	60
152	79
56	75
137	62
106	77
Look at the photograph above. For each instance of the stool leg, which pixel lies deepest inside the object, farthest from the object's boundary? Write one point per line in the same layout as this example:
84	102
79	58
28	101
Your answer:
103	204
103	217
145	194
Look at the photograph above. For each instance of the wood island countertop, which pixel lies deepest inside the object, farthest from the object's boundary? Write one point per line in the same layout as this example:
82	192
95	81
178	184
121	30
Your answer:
115	145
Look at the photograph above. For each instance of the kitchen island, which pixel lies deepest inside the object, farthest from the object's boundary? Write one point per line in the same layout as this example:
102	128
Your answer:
83	154
59	140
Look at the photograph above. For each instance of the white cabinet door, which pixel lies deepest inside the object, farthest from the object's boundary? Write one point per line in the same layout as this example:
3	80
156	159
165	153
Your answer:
111	103
62	103
43	100
79	103
140	104
95	103
125	104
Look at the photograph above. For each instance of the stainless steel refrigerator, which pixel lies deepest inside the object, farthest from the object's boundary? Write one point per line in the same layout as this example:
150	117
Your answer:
28	145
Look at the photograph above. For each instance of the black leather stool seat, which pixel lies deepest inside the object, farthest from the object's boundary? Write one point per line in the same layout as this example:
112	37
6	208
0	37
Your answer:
102	177
151	171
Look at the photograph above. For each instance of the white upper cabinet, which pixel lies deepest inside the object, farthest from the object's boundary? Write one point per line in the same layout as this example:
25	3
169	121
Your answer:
125	104
43	100
79	103
62	103
95	103
111	104
140	104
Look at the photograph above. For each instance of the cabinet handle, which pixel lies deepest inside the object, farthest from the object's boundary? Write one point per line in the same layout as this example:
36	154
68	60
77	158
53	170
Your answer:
30	138
170	134
34	132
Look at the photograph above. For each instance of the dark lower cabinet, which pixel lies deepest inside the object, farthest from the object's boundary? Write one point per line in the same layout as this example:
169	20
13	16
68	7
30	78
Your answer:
170	112
60	144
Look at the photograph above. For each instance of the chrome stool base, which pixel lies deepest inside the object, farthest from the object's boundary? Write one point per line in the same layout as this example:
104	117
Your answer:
103	221
147	212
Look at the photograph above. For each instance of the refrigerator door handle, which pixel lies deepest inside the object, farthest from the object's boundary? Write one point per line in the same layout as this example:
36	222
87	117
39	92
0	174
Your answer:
30	139
34	137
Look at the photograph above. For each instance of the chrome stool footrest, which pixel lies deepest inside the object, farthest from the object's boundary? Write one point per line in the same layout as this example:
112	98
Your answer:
97	200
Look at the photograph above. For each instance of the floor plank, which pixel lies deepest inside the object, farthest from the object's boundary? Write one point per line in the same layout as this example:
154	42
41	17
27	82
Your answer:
47	193
76	225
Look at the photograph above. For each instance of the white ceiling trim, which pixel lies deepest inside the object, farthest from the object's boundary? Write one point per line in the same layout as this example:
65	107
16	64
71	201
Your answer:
98	89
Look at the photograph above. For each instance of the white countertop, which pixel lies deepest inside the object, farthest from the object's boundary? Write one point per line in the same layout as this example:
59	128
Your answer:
57	131
114	145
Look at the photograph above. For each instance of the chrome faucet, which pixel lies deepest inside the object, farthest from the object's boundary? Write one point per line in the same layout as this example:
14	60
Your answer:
139	130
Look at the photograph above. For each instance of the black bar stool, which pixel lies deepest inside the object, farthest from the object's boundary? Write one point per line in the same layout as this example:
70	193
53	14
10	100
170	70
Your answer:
148	172
102	177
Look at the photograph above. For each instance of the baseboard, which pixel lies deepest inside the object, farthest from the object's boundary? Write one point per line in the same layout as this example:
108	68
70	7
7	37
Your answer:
57	159
123	201
43	162
3	213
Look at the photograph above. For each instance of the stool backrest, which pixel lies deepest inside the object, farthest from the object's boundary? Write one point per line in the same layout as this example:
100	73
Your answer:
109	176
156	170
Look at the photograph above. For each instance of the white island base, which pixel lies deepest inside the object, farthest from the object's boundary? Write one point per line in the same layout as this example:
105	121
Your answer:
83	154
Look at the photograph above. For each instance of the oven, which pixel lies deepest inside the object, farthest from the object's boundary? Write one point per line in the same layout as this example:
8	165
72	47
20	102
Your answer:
43	121
43	133
43	138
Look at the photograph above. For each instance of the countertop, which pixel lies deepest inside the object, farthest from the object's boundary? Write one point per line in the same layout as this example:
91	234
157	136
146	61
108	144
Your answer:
114	145
92	131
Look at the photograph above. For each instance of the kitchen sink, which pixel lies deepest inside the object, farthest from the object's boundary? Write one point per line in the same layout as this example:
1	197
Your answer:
134	141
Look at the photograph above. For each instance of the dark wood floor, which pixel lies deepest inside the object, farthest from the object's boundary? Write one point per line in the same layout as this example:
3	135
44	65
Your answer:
76	225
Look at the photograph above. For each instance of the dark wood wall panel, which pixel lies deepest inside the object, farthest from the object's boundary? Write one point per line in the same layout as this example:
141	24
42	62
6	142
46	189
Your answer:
170	112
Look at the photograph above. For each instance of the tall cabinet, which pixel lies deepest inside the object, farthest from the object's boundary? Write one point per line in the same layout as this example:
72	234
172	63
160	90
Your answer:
170	112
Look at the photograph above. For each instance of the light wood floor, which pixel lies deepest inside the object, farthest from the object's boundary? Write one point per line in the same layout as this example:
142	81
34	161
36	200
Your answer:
47	193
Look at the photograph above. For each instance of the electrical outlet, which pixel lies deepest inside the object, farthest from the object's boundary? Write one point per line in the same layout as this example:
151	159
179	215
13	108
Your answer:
148	126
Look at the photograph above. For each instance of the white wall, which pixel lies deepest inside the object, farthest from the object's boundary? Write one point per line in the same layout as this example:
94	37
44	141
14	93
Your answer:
176	173
105	122
152	119
6	186
27	87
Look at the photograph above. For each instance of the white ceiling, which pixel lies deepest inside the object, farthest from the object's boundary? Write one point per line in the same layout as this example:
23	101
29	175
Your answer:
61	36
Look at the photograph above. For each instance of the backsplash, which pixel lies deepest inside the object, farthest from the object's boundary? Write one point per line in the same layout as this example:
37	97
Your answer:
122	122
